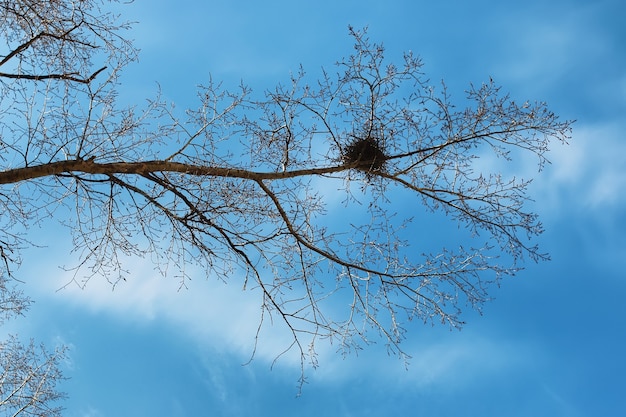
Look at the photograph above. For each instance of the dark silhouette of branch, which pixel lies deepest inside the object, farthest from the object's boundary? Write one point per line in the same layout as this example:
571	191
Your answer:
67	77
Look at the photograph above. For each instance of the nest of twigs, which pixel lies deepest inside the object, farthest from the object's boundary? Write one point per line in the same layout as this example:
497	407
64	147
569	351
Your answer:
366	154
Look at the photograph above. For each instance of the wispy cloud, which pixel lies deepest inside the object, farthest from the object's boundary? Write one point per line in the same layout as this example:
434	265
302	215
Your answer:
453	361
590	173
223	319
221	316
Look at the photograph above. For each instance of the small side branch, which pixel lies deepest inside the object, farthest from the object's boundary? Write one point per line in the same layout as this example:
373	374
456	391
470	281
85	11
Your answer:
66	77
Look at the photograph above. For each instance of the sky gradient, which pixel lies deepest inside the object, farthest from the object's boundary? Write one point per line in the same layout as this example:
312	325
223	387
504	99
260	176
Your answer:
552	341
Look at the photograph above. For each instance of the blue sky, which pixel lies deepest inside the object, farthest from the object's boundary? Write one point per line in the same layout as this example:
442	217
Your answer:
551	343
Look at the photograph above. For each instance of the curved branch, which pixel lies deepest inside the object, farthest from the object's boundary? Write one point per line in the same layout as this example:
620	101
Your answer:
67	76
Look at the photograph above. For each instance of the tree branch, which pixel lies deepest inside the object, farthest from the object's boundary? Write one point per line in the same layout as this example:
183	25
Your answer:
67	77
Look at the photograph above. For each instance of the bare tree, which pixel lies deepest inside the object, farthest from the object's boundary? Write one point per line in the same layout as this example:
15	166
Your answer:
29	374
28	379
13	302
239	185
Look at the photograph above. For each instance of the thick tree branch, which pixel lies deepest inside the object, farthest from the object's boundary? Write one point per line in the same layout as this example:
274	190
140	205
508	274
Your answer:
146	167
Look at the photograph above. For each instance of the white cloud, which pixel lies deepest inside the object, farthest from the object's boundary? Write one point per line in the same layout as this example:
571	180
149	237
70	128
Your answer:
221	316
591	170
224	319
587	174
451	360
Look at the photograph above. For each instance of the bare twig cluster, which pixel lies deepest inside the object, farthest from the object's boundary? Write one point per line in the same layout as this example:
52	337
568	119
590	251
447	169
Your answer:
29	375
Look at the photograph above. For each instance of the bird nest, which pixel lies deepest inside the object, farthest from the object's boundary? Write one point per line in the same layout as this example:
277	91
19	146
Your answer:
366	154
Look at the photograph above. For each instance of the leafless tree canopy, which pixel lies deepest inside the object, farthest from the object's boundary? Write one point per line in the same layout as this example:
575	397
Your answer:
28	378
240	184
13	302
